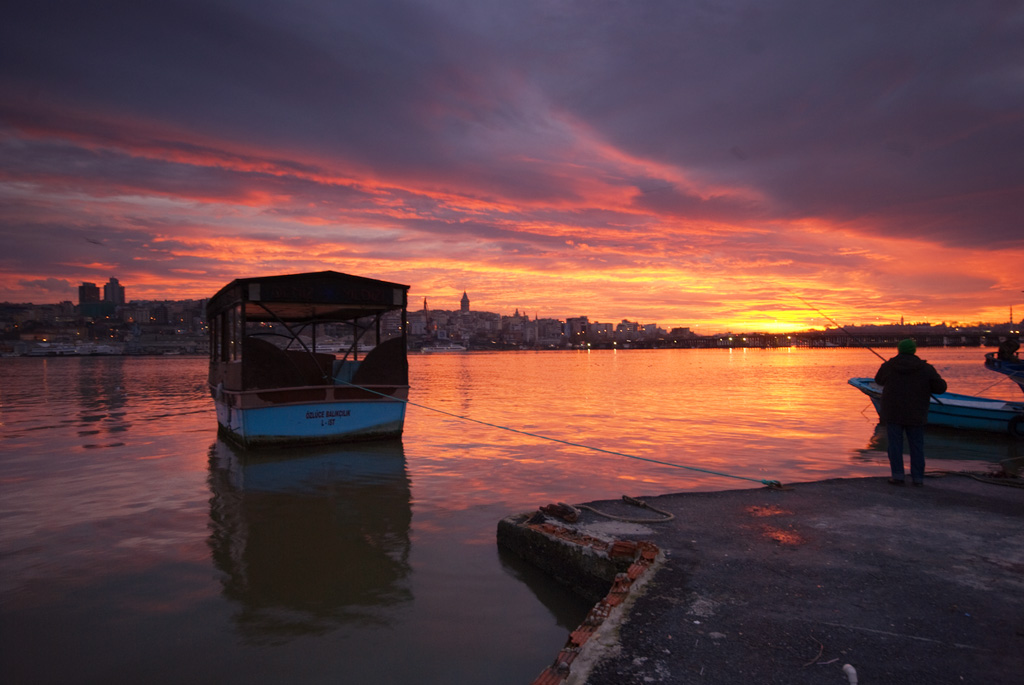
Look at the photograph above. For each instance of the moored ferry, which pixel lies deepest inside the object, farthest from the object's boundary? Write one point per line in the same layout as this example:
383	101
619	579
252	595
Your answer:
272	384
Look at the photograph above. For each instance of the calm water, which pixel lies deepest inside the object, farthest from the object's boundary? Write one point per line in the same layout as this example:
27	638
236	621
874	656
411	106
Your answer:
137	547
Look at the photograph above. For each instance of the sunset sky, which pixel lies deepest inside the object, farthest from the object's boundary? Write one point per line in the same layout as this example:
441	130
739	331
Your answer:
704	163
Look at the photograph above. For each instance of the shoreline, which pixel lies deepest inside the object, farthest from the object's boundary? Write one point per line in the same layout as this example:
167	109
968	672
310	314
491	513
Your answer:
763	585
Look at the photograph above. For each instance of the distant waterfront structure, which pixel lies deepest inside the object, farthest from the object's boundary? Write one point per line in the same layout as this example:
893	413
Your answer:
89	303
92	306
113	292
88	293
149	327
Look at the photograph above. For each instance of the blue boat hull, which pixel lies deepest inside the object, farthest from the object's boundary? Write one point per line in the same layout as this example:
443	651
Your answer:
961	411
308	422
1014	370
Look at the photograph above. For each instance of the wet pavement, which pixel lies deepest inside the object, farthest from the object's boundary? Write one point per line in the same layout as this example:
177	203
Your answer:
899	584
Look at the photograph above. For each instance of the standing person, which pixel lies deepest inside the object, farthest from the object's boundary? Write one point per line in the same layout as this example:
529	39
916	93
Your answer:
1008	349
908	382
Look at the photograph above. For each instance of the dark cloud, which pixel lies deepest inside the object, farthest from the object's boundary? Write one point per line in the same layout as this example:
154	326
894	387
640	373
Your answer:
672	201
58	286
716	135
43	247
106	172
817	96
388	84
839	111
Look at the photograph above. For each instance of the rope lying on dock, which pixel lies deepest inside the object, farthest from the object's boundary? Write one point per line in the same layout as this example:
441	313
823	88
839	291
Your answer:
768	483
571	512
665	515
983	478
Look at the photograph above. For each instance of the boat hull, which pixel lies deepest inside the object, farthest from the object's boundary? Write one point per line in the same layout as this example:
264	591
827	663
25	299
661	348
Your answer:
1013	370
960	411
252	421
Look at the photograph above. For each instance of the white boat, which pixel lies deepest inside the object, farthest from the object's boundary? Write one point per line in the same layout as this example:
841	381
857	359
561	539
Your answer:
442	347
960	411
271	385
46	349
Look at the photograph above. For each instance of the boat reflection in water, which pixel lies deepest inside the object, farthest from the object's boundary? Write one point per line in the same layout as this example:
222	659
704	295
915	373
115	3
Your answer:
308	541
949	449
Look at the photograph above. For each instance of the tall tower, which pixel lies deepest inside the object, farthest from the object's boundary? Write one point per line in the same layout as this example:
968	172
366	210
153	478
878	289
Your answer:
113	292
428	324
465	302
88	293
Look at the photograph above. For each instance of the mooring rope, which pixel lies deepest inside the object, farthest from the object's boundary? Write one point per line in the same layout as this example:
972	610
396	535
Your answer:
665	515
769	483
1004	377
984	478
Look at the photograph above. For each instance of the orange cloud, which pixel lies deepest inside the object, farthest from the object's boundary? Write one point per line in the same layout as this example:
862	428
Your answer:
177	215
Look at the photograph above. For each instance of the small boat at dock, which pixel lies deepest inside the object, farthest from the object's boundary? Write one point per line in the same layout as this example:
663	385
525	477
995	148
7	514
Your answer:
1014	370
270	382
960	411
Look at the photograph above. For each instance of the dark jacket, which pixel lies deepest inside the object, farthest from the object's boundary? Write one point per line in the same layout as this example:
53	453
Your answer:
907	384
1008	350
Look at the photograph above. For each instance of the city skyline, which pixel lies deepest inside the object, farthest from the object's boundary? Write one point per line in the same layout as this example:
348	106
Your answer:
114	293
714	167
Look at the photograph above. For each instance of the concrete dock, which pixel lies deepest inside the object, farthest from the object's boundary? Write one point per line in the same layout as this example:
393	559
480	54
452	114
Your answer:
898	584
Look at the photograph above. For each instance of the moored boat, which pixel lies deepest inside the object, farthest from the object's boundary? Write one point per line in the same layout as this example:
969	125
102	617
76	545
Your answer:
960	411
442	347
1013	369
272	385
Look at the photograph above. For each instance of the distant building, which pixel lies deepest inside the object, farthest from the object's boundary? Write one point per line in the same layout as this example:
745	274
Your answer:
627	327
160	314
465	302
88	293
113	292
89	303
576	329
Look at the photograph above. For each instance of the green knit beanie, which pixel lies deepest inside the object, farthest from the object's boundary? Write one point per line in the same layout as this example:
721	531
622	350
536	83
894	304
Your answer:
907	346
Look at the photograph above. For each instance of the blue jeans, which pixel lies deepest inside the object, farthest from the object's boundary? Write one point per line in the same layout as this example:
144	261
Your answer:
915	440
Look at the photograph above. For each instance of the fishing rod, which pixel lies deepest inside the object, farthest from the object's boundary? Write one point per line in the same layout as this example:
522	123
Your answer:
836	324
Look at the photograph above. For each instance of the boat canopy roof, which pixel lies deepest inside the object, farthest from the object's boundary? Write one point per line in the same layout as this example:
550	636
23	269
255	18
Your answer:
316	296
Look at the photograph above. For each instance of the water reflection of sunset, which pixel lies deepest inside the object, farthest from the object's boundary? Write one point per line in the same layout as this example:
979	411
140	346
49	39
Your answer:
118	517
773	415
